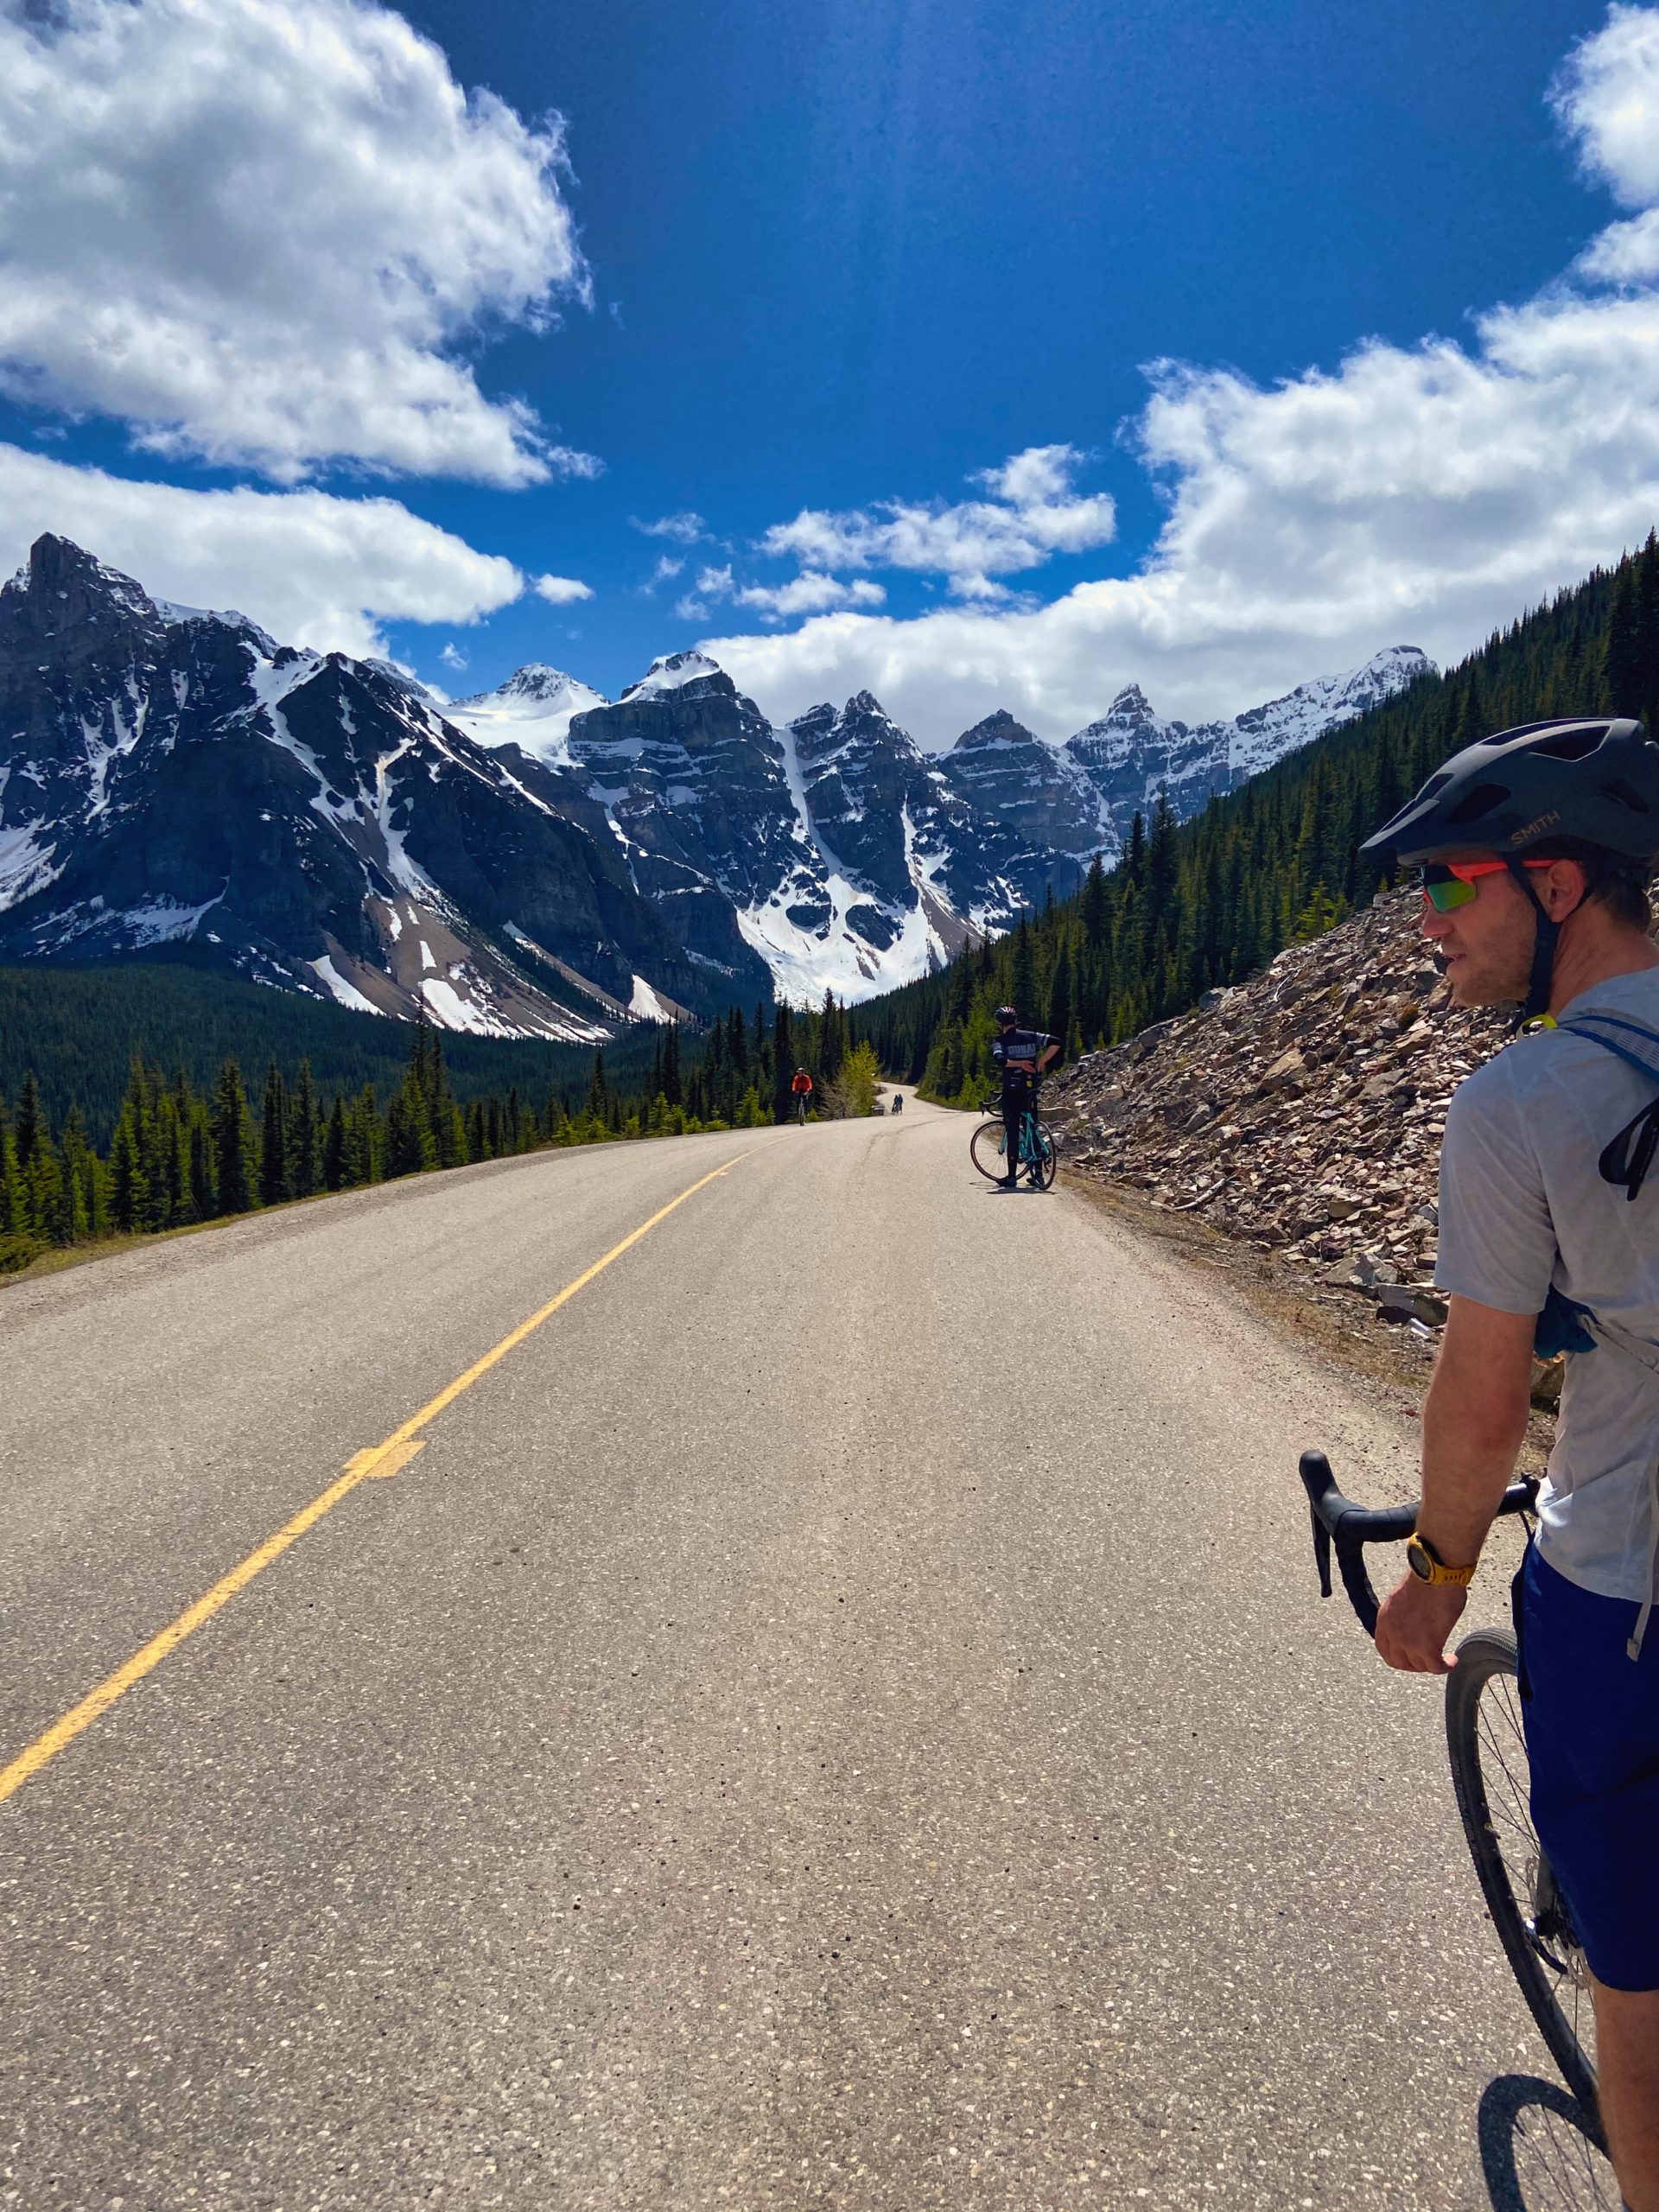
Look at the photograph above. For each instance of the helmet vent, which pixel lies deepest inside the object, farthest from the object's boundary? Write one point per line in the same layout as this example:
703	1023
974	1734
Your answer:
1626	795
1572	745
1478	803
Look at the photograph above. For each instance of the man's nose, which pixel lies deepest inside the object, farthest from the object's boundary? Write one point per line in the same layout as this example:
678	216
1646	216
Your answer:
1434	925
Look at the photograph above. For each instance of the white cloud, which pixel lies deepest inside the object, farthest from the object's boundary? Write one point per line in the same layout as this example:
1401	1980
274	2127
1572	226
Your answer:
312	569
1416	495
664	573
684	529
810	593
1033	513
453	658
560	591
1606	95
263	233
712	585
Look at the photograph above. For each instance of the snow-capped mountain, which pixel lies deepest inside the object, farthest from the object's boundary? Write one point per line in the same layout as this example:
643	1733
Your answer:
535	860
175	780
909	869
533	710
1131	753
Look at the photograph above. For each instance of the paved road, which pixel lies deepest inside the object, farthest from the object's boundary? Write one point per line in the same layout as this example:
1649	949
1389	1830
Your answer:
837	1716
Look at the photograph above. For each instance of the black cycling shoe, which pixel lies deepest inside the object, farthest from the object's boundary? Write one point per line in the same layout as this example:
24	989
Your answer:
1005	1183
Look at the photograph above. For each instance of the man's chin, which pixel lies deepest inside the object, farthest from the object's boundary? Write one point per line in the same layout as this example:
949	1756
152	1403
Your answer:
1468	990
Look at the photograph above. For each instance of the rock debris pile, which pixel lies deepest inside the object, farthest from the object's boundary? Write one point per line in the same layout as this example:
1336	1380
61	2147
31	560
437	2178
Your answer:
1300	1113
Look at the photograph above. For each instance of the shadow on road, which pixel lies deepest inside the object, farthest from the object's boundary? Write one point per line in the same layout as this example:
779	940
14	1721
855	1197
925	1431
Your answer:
1540	2150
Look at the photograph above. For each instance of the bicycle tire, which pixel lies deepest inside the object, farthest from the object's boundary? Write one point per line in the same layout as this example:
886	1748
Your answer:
1489	1775
1048	1154
985	1150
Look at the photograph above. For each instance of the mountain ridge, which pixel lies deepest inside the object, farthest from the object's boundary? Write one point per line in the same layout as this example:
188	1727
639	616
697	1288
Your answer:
535	860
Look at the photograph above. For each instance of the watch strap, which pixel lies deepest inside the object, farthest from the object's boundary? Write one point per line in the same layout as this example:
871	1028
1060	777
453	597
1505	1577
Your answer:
1456	1577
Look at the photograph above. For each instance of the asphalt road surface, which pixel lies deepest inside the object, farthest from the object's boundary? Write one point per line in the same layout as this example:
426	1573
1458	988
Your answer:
838	1714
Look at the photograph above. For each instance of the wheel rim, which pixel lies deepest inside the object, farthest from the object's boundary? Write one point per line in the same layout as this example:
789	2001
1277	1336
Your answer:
985	1149
1536	1901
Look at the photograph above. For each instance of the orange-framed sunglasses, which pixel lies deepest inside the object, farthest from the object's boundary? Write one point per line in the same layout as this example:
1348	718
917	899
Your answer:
1448	884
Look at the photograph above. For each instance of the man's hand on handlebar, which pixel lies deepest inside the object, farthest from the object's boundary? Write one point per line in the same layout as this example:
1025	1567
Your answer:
1413	1623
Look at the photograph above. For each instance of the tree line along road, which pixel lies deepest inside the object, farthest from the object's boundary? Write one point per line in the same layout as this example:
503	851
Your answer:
836	1713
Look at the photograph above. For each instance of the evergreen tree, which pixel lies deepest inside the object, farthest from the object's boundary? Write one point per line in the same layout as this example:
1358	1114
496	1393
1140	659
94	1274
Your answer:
236	1172
273	1147
304	1170
333	1146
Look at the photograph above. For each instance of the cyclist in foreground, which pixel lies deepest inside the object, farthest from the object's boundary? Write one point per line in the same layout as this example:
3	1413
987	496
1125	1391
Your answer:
1535	848
1022	1055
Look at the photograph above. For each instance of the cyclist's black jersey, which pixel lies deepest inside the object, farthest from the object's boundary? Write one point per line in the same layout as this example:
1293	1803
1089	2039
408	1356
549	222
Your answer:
1018	1044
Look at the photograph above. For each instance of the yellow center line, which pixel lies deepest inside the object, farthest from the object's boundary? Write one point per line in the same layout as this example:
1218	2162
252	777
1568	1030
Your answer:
380	1460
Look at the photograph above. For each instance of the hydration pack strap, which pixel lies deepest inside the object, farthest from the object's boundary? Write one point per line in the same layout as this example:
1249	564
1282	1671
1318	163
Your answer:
1626	1158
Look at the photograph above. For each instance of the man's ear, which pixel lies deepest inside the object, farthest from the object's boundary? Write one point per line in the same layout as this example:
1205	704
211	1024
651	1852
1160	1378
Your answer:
1564	889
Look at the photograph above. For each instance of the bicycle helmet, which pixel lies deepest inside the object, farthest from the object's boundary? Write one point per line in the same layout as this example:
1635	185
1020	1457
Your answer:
1005	1014
1590	778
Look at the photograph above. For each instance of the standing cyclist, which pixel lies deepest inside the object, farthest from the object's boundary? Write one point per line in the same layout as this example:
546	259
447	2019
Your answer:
1537	847
800	1088
1022	1055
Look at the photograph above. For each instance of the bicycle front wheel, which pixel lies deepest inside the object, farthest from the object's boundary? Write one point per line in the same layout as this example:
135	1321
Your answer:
1048	1158
1493	1780
985	1148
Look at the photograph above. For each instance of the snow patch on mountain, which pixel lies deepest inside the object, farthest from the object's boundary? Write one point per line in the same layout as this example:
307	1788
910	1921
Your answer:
335	984
672	672
534	710
26	864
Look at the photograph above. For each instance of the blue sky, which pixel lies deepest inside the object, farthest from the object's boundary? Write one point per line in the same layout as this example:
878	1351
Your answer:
861	251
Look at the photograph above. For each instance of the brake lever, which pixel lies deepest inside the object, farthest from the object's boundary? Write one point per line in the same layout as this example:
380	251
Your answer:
1321	1553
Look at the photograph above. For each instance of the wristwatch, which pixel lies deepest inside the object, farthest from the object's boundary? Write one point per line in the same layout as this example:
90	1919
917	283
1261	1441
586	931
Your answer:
1427	1565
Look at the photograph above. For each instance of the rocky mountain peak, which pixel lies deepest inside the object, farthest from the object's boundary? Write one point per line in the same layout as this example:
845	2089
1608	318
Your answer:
676	672
67	588
536	680
998	729
1131	705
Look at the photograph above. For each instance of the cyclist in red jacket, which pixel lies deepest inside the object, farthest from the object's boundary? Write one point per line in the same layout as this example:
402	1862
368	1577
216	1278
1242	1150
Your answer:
801	1091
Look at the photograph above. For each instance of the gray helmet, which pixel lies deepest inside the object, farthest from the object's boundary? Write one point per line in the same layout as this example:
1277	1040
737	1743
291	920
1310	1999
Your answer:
1589	777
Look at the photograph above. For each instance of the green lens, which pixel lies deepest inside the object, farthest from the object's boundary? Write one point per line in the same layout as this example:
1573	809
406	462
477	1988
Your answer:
1448	894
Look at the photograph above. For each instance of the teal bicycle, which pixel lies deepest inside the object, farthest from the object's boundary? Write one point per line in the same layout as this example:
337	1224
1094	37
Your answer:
1038	1153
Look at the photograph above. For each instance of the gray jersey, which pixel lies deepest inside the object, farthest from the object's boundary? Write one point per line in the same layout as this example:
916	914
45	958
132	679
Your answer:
1523	1207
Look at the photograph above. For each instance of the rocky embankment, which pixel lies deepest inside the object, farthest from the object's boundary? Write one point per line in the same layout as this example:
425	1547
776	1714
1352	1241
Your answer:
1300	1114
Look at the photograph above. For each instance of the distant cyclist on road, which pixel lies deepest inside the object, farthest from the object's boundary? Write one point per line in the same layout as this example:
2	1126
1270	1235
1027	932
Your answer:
1022	1055
800	1087
1535	848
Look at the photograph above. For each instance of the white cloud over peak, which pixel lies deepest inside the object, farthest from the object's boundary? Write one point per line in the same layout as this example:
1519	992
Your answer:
263	233
560	591
1033	513
312	569
1418	495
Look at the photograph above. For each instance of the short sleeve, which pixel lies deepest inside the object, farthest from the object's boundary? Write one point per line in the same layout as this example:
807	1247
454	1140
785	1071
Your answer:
1498	1242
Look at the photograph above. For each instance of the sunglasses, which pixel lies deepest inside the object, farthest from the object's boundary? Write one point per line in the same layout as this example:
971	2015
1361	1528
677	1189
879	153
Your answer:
1448	884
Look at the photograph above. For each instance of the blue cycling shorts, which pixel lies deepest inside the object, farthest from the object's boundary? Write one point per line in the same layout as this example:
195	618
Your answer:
1592	1720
